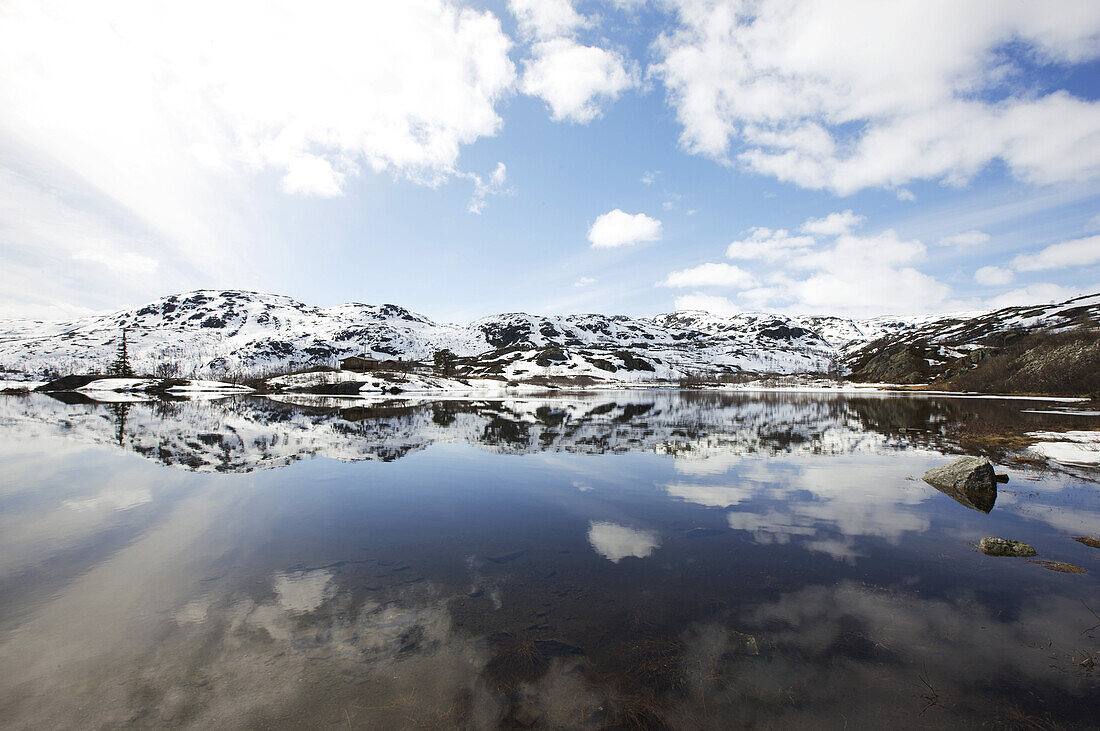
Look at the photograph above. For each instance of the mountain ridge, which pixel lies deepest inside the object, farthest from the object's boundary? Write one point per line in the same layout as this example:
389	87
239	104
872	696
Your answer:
217	332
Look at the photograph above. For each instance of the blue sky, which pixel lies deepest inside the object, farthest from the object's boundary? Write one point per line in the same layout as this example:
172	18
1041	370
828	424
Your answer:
948	152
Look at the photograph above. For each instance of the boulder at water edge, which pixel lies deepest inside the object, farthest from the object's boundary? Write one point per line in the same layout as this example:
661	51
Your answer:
969	481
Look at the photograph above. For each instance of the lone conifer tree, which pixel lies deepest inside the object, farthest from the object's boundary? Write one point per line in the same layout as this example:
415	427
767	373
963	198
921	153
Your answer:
120	366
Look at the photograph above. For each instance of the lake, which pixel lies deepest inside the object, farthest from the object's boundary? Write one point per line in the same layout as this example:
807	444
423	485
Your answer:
641	559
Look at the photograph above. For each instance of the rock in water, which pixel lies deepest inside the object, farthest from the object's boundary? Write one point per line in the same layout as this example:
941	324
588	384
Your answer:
1004	547
969	481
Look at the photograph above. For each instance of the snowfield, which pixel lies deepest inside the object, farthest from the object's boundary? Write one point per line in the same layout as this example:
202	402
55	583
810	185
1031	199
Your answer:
211	335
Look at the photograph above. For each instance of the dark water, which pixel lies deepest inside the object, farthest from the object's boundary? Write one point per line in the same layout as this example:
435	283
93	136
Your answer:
625	560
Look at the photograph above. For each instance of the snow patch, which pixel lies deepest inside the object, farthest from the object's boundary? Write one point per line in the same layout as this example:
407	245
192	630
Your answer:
1071	447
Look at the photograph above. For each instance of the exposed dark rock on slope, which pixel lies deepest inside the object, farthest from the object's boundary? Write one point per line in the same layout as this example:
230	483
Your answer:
215	333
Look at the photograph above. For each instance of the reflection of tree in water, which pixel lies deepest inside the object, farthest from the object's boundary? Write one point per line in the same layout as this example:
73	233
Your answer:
120	412
259	432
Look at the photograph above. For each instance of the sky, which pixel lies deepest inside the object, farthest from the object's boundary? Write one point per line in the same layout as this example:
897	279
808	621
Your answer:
847	157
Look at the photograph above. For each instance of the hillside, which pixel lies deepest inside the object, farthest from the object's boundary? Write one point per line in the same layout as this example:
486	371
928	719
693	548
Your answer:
227	333
945	348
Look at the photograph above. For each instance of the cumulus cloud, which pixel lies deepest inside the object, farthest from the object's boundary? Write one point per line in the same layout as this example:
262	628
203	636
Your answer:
134	87
713	304
616	228
768	245
834	224
1078	252
993	275
545	18
710	275
868	274
965	238
849	95
830	273
575	80
162	118
312	175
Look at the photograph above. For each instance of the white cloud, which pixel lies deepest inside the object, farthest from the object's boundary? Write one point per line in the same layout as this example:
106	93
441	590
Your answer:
1035	294
584	282
575	80
139	98
769	245
721	306
1078	252
904	194
992	276
964	239
483	189
616	542
834	224
311	175
546	18
867	275
710	275
61	261
616	228
849	95
649	177
849	275
122	262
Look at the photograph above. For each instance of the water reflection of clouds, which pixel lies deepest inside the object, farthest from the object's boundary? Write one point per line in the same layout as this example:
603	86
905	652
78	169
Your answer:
183	622
848	655
303	591
117	498
776	500
616	542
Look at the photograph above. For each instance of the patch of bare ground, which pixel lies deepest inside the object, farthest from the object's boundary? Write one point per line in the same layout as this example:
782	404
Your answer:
1005	439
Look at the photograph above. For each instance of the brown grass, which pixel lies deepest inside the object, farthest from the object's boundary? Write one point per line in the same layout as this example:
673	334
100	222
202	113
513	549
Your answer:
1059	566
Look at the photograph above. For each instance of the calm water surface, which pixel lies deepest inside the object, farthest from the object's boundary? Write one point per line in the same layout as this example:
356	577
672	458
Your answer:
620	560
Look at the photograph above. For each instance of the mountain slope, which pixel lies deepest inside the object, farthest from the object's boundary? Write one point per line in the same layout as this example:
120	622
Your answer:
948	346
214	333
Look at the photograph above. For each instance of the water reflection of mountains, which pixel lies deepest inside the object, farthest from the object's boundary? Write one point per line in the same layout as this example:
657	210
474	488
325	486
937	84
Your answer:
243	434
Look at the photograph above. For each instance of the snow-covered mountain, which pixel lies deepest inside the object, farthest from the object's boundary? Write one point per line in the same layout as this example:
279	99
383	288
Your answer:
933	348
211	333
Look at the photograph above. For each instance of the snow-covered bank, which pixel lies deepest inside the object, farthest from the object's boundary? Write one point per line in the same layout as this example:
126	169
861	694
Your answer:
1071	447
146	385
8	386
404	383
